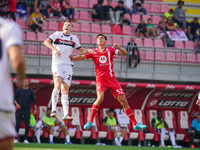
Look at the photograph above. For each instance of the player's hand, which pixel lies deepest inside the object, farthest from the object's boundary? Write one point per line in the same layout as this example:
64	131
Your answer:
71	57
91	51
35	111
198	102
58	54
18	106
19	81
116	46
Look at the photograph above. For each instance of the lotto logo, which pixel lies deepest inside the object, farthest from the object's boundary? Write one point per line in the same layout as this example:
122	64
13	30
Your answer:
153	102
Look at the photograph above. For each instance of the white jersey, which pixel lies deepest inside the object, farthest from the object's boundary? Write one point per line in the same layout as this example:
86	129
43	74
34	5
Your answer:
65	44
10	34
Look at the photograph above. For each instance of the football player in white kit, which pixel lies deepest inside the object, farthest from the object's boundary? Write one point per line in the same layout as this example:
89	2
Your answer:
10	50
62	43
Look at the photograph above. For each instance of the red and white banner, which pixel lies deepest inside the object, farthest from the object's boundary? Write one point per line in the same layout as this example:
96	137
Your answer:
177	35
123	84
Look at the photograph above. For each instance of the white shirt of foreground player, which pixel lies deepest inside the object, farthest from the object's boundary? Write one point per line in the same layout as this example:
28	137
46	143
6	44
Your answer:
65	45
10	34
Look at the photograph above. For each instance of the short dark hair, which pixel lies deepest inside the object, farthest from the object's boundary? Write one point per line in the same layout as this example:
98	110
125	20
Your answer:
69	22
149	19
111	110
100	34
122	2
195	18
160	22
100	2
180	2
48	109
171	10
159	111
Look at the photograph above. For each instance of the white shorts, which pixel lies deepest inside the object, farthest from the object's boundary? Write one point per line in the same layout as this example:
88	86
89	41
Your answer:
64	71
117	128
7	125
55	128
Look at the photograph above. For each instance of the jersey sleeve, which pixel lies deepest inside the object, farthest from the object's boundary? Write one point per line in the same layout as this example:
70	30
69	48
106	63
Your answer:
53	37
14	36
77	43
115	51
16	94
88	55
105	119
193	124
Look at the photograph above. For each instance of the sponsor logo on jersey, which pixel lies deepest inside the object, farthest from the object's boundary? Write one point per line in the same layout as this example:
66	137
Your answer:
103	59
81	100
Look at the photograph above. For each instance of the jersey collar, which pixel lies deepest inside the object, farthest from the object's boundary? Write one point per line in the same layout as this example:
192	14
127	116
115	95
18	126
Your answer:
66	35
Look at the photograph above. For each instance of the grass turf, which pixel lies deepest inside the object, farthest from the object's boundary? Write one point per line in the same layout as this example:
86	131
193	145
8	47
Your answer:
34	146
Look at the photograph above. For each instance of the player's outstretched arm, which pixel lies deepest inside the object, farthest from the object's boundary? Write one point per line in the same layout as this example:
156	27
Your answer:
122	51
78	57
85	51
17	62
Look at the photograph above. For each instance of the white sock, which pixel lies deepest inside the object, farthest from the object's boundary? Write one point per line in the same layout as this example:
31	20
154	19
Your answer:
38	124
162	136
65	104
172	138
51	137
120	139
54	98
67	138
116	141
37	134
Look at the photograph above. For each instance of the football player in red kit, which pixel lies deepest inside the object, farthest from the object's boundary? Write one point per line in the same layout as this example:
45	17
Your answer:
105	78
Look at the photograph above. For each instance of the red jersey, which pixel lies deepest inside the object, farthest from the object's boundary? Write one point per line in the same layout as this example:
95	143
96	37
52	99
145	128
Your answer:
103	60
55	5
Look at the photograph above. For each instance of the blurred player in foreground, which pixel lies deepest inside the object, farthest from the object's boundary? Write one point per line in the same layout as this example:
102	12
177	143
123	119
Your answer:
62	44
10	50
105	78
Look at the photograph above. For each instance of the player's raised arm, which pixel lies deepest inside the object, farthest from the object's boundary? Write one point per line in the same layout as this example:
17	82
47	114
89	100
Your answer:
122	51
78	57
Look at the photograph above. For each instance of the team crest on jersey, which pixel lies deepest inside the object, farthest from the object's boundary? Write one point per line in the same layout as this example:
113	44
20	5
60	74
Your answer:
103	59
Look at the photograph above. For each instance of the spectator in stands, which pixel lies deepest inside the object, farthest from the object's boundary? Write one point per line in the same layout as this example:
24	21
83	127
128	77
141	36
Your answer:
56	7
12	6
34	4
195	130
141	29
36	20
44	5
137	5
98	12
3	12
120	12
21	9
53	125
150	28
198	46
109	13
192	29
168	14
24	95
131	48
128	5
179	15
161	30
112	123
169	26
160	124
68	9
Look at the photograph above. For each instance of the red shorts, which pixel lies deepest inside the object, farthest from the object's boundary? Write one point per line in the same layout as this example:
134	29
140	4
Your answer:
111	83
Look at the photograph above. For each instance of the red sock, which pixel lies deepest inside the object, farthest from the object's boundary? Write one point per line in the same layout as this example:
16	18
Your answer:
131	116
94	110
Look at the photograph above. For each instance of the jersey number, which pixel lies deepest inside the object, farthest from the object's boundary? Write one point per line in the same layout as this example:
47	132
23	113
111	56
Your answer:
69	77
0	50
119	91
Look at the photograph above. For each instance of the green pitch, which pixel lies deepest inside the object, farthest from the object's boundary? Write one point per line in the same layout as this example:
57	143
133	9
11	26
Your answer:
34	146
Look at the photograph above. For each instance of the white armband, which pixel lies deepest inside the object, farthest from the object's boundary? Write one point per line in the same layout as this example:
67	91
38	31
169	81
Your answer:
116	51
